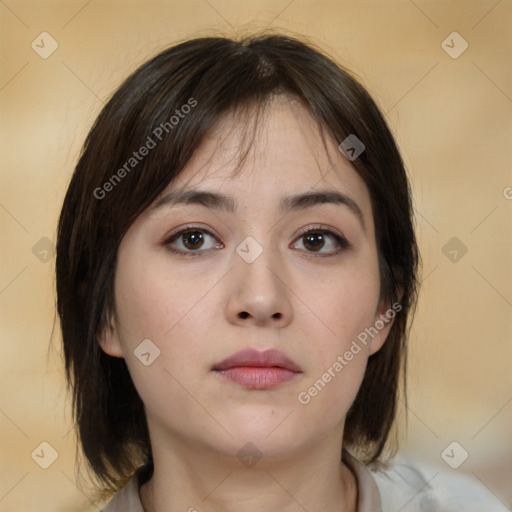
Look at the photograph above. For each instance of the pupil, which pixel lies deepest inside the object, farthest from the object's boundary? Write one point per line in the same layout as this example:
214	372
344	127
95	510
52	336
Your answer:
315	241
193	239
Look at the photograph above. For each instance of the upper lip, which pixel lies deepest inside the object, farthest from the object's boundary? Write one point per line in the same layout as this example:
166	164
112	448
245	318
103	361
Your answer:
252	357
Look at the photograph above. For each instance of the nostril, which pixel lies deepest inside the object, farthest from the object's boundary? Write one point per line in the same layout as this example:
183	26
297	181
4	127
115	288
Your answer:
277	316
243	314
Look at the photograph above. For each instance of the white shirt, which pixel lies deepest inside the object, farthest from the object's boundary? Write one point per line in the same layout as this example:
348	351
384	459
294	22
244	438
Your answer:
403	487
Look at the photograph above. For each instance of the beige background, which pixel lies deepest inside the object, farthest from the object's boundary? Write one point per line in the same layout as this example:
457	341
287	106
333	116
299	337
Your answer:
452	118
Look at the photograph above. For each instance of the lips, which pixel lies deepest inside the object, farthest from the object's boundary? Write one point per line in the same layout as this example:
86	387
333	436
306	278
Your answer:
258	370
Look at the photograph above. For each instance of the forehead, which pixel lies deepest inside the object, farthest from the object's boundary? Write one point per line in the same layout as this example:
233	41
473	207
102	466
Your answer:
262	154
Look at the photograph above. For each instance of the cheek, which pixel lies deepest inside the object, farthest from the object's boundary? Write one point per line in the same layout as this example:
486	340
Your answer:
170	310
347	304
152	302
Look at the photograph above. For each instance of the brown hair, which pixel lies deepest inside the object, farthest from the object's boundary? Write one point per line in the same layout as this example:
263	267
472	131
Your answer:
110	188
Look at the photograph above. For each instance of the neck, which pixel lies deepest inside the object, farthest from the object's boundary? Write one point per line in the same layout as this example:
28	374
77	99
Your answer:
193	479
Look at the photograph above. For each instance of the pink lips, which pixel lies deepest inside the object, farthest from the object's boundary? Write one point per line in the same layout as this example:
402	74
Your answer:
258	370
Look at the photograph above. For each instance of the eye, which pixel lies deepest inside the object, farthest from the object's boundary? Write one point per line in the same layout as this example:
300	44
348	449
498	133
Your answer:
321	241
192	240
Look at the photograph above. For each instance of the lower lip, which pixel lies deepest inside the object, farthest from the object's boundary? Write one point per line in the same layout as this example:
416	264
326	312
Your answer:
257	377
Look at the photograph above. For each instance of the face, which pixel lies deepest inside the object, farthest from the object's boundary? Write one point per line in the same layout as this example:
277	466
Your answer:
240	294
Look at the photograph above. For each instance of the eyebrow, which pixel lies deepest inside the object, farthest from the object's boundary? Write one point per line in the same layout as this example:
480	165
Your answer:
296	202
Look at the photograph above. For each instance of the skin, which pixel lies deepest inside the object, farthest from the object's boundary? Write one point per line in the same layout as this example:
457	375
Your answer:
294	299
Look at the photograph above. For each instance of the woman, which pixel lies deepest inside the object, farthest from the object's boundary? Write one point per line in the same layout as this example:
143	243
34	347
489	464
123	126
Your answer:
236	265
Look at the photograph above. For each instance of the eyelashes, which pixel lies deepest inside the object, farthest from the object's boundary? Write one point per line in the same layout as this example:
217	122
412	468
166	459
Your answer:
193	241
194	236
318	238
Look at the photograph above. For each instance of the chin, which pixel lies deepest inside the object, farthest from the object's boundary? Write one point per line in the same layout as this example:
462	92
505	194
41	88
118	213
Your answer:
269	435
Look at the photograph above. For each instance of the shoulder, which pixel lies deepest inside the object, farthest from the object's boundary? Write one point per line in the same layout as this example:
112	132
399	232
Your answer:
127	499
409	485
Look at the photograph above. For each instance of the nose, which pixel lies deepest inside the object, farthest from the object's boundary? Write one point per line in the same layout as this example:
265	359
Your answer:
258	293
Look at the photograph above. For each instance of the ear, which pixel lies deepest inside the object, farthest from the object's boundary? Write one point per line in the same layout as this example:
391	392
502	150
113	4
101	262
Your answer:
108	340
384	318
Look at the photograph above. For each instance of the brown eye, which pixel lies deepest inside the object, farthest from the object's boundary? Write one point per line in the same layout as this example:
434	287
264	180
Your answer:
321	241
192	239
314	241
